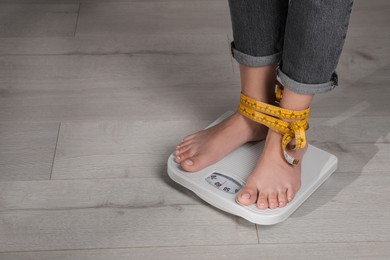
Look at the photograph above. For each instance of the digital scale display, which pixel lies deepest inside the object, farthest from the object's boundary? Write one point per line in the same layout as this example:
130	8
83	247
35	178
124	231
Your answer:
224	183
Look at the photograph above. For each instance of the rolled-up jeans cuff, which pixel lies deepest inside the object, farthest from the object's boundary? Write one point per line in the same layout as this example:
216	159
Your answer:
303	88
254	61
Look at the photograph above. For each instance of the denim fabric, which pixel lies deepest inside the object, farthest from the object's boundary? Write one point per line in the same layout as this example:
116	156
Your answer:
304	37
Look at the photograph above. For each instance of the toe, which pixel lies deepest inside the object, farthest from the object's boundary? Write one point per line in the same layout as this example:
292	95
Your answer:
290	194
273	200
185	143
262	200
181	150
282	198
247	195
182	156
195	162
188	138
177	156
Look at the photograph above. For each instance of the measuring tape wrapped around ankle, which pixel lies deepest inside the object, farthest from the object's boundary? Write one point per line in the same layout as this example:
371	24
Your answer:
271	116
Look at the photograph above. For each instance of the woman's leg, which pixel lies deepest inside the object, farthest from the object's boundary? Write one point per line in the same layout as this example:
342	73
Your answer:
314	37
258	28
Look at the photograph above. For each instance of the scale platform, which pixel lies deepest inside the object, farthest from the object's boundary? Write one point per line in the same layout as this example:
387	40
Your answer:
219	184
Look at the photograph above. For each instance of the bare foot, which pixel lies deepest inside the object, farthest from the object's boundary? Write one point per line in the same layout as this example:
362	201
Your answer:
274	182
208	146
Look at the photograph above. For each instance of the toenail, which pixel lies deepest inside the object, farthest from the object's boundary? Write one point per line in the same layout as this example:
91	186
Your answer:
246	196
178	157
289	198
189	162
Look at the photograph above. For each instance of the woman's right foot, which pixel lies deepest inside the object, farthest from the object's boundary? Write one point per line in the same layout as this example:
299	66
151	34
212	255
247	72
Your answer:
210	145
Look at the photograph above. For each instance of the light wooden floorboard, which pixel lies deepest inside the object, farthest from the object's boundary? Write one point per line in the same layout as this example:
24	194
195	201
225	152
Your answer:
152	44
118	149
366	14
185	225
27	150
323	213
82	87
368	94
350	128
97	193
364	158
26	20
361	58
145	17
349	207
325	251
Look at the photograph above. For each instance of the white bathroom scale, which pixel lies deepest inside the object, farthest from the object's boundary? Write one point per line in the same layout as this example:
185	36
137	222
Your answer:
219	184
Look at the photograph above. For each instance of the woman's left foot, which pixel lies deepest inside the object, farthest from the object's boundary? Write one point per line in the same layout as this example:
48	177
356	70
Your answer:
274	182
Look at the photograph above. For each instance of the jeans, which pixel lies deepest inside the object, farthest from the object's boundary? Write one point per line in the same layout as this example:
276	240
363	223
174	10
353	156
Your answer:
303	37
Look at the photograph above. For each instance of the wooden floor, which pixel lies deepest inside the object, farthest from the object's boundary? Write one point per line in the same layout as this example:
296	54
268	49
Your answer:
95	95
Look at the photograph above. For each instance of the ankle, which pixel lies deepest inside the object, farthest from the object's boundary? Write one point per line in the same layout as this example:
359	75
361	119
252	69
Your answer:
258	82
295	101
274	137
273	143
251	129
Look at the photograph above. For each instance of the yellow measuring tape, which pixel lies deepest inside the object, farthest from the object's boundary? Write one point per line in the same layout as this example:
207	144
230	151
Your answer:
271	116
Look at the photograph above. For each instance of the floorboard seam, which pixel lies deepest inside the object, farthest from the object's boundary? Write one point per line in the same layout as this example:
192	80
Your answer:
97	207
55	151
257	233
126	248
77	20
185	246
